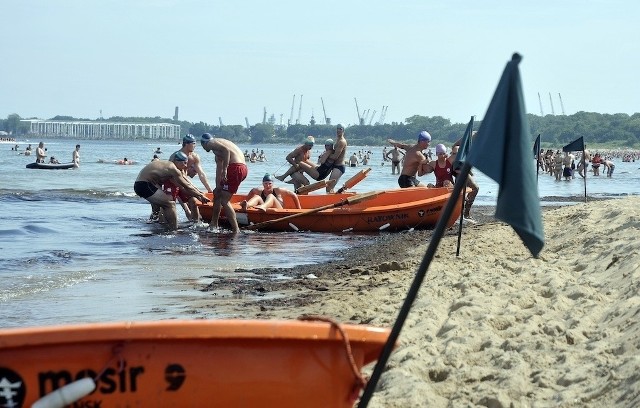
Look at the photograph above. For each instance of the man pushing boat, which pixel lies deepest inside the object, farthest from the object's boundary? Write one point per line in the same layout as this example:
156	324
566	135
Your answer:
148	185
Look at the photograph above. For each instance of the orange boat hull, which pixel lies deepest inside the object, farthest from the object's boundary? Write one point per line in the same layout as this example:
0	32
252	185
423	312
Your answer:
232	363
394	210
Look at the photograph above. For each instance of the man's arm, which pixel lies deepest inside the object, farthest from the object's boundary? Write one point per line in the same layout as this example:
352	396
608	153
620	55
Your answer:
201	174
294	196
184	183
338	148
398	144
425	167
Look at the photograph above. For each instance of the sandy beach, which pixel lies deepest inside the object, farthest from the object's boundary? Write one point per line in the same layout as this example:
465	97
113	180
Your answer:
493	327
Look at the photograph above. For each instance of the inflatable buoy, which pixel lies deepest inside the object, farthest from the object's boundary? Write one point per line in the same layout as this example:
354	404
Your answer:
66	395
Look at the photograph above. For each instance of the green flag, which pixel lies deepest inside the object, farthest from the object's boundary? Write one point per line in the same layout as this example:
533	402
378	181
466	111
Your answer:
502	151
575	146
463	150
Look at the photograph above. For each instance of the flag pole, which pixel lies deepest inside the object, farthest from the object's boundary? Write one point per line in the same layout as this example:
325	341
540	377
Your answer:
464	204
438	232
584	169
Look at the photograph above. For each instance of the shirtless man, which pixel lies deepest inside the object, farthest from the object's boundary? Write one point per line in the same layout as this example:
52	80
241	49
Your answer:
268	196
414	160
395	159
231	170
193	167
301	154
148	185
336	159
76	156
324	167
40	153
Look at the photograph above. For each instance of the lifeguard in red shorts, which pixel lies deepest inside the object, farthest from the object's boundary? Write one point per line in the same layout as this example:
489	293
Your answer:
231	170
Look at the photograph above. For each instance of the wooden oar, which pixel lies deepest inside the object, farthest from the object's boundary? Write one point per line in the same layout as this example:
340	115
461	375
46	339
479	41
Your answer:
312	187
358	177
347	201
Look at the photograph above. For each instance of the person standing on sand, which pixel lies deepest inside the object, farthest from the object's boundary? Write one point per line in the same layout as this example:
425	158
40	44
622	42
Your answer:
471	183
414	160
148	185
75	158
231	170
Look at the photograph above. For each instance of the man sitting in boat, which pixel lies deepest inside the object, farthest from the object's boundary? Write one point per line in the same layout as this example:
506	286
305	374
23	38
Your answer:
414	160
268	196
53	160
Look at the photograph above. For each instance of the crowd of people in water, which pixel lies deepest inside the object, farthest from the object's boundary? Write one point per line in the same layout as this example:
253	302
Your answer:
165	182
565	165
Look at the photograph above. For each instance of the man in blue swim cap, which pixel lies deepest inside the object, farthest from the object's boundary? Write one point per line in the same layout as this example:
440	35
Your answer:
194	167
414	160
148	185
231	170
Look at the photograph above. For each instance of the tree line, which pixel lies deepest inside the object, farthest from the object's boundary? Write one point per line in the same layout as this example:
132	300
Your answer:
618	130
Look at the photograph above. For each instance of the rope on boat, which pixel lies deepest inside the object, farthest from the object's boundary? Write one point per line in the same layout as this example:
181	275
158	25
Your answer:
360	381
116	353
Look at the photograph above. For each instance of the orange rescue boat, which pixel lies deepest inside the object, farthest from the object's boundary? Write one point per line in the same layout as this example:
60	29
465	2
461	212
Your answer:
224	363
392	210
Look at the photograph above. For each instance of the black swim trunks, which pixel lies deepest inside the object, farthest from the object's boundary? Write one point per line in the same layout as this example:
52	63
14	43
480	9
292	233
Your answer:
323	171
144	189
405	181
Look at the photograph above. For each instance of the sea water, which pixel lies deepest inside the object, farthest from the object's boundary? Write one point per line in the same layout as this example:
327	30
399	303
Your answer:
76	247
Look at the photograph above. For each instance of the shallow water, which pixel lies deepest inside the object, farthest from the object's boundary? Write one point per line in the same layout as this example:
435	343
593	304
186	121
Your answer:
76	246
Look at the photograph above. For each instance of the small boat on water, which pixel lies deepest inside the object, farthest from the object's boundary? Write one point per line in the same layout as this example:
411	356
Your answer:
392	210
51	166
182	363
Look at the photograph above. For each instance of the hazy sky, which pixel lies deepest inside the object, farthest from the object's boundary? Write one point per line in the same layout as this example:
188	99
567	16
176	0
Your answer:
232	59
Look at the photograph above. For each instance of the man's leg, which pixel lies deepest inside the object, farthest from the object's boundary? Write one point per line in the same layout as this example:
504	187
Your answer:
228	210
333	179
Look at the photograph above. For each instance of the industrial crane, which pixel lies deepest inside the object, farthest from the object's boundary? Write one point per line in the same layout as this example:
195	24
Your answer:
291	116
327	121
360	119
561	104
383	114
299	111
372	116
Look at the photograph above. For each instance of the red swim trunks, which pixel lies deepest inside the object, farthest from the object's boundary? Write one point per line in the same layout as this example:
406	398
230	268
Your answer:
236	172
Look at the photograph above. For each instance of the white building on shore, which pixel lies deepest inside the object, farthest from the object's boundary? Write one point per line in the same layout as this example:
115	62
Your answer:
102	130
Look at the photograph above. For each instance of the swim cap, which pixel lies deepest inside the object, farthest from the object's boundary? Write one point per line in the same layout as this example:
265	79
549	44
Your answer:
188	139
309	140
424	135
179	156
267	177
205	138
328	142
340	126
440	148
